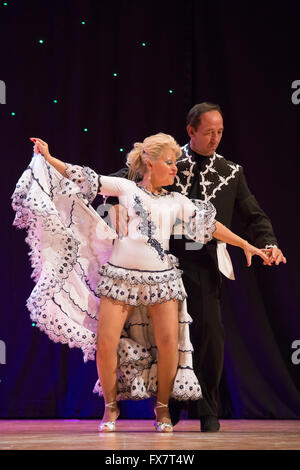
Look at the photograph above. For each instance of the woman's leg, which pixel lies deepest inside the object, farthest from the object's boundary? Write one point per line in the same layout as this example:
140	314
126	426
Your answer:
165	324
112	316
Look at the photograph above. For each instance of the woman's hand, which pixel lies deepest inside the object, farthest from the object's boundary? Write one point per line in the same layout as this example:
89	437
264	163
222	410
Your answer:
251	250
40	147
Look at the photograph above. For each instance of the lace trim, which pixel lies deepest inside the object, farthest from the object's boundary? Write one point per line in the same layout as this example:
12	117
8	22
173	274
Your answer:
35	212
86	178
137	375
184	179
202	224
147	227
188	174
146	299
61	329
224	181
136	287
142	384
139	276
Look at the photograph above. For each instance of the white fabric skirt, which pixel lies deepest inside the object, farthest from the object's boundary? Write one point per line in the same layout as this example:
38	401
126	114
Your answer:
70	247
140	287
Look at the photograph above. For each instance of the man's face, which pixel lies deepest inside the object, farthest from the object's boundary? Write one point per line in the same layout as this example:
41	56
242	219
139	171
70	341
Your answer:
206	138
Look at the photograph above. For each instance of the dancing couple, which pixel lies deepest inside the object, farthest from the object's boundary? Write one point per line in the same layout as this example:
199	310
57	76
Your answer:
121	297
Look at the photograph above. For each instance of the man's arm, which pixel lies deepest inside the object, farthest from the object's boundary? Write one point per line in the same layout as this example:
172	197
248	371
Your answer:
258	228
123	173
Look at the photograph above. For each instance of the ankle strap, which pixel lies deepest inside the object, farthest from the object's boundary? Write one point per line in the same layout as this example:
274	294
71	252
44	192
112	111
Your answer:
111	404
161	405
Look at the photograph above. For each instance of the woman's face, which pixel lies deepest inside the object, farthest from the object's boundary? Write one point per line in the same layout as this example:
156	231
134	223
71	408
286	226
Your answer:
164	169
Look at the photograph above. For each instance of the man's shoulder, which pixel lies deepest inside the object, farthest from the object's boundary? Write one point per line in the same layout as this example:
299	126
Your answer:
221	161
185	154
122	173
218	160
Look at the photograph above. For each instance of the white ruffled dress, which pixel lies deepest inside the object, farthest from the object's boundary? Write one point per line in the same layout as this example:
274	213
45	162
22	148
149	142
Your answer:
77	258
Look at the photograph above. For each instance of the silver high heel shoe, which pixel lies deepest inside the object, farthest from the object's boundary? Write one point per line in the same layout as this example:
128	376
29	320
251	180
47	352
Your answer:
109	426
159	425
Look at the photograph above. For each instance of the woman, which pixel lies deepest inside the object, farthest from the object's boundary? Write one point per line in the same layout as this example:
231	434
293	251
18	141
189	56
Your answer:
142	275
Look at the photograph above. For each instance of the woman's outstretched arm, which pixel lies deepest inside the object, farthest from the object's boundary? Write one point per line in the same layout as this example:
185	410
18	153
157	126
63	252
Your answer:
87	179
224	234
41	147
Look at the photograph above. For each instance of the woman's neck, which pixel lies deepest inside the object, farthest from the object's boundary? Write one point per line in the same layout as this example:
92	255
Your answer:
149	185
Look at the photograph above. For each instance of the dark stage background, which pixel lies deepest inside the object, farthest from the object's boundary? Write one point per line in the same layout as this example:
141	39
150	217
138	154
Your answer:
123	70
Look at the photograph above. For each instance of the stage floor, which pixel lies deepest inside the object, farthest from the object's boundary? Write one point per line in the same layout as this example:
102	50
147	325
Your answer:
136	435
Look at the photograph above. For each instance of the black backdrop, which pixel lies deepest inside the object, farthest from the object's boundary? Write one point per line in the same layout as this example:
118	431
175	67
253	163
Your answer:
244	56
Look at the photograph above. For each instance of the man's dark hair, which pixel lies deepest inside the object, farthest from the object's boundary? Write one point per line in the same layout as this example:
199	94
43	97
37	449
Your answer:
194	115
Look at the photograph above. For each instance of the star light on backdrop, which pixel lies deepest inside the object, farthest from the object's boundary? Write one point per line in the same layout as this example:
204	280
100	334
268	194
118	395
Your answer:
83	22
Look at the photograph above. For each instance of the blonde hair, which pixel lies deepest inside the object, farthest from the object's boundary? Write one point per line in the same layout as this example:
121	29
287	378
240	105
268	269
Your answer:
150	149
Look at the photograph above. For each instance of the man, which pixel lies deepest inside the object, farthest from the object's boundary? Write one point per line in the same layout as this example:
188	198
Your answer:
203	174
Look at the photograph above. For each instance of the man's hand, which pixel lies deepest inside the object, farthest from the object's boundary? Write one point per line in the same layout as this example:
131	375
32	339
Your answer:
275	255
119	219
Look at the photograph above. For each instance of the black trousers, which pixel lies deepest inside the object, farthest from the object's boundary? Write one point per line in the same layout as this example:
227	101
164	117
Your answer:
207	337
202	281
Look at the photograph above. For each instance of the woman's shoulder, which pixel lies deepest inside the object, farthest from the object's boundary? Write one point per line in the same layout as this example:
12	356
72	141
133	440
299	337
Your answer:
179	197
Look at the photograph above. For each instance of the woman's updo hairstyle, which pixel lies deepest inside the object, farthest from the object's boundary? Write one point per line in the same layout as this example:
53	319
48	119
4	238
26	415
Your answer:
150	149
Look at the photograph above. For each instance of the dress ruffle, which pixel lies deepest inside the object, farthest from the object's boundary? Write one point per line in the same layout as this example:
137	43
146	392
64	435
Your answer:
136	287
201	225
68	243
